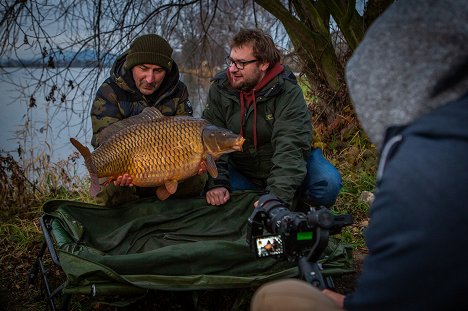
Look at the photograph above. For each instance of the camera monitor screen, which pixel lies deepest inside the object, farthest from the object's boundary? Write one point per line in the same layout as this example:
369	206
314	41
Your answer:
270	245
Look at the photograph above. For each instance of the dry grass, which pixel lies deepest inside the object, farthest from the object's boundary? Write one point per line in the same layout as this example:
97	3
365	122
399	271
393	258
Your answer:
23	190
25	187
13	184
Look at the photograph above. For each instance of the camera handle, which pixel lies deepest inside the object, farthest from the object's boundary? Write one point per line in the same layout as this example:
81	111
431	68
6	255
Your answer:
309	269
311	272
323	221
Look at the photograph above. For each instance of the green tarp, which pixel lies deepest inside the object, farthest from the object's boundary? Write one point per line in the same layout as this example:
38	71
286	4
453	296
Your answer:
177	244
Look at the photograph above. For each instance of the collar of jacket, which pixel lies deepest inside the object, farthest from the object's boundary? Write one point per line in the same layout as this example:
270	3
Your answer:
271	85
273	88
247	99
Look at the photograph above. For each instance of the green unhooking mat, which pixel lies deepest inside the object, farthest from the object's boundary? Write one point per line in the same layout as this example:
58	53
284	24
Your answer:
177	244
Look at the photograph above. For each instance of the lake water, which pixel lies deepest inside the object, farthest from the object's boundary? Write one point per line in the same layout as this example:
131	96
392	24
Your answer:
45	124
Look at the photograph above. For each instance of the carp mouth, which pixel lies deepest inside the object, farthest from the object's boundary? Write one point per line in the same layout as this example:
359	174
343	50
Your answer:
238	145
219	141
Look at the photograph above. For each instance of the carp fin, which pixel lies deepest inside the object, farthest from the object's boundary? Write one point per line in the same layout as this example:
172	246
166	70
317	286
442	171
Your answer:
171	186
151	113
211	166
94	187
148	114
162	193
108	181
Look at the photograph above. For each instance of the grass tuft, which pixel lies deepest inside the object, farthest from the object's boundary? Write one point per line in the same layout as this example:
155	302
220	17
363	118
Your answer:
26	186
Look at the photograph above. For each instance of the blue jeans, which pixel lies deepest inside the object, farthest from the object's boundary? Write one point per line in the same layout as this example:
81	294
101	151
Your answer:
321	185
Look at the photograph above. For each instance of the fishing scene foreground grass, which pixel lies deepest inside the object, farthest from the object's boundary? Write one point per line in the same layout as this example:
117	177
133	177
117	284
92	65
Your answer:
26	186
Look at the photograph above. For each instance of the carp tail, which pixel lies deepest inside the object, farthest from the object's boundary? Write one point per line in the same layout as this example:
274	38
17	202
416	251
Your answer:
94	188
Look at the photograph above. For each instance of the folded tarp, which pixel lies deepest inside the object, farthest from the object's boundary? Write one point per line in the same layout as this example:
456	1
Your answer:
177	244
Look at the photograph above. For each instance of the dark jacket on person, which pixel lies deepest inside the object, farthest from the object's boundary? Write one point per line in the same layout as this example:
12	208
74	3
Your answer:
408	81
419	220
277	129
119	98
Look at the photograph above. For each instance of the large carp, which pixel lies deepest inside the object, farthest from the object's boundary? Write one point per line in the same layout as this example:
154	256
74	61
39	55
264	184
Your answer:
156	150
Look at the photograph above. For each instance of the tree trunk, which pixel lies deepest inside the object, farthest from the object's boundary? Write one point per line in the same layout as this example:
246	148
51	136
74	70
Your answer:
323	52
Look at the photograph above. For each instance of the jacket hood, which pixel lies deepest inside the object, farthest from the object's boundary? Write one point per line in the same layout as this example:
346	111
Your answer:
413	59
247	98
446	121
123	77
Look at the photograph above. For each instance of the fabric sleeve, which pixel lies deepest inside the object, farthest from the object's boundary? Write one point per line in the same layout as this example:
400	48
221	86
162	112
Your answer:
104	110
291	140
183	104
418	229
213	114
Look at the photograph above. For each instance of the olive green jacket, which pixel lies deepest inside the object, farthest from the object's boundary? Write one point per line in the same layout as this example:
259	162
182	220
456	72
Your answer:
284	134
119	98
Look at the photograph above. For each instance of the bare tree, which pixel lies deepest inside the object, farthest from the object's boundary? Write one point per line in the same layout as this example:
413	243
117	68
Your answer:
65	48
324	33
62	30
57	33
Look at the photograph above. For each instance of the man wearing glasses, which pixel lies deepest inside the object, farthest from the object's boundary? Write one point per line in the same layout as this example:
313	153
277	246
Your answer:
260	99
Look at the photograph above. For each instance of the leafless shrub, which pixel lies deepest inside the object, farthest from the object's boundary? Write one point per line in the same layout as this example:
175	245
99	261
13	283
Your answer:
14	188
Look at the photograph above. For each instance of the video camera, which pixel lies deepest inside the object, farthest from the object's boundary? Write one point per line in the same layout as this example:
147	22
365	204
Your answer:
294	235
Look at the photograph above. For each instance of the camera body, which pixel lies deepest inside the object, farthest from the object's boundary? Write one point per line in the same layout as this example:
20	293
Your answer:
295	236
291	235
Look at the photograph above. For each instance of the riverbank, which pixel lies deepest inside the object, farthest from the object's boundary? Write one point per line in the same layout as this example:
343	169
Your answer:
21	236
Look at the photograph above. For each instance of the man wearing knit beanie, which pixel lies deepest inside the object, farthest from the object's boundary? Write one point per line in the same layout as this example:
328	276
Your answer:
150	49
408	81
143	76
149	59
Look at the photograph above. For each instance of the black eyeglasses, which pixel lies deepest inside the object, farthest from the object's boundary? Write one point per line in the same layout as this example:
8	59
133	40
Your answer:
239	65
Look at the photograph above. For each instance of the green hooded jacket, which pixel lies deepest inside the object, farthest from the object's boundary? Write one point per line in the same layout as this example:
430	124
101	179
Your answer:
119	98
284	134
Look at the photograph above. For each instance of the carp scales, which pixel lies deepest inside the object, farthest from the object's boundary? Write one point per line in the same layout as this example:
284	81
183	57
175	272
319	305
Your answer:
156	150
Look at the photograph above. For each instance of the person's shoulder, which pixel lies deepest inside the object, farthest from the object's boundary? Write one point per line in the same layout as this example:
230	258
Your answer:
219	77
220	85
286	83
180	85
288	76
107	90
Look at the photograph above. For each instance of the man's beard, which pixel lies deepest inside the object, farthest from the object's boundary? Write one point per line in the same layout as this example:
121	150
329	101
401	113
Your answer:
247	85
148	87
145	84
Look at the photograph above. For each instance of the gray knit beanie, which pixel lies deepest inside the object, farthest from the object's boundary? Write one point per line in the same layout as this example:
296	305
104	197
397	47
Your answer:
150	49
400	70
